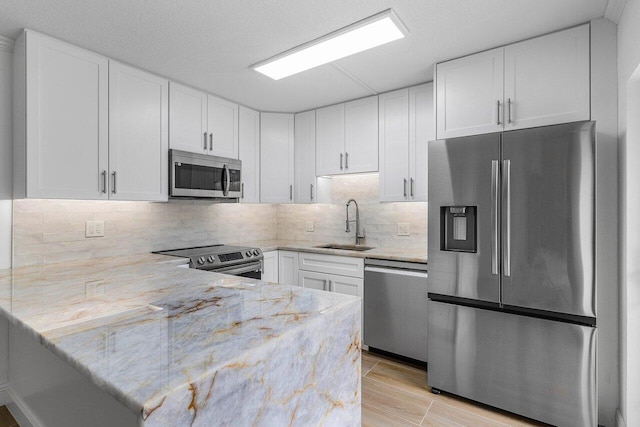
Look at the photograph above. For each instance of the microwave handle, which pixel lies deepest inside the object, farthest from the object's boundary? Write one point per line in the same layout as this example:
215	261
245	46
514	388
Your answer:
226	180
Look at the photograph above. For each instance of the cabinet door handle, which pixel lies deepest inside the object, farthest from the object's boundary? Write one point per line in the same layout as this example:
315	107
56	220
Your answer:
104	182
411	187
324	285
405	187
346	160
340	161
498	112
114	182
311	192
210	141
290	192
205	140
330	285
242	191
509	110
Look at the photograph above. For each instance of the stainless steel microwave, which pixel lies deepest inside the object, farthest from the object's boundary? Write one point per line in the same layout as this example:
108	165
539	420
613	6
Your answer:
201	175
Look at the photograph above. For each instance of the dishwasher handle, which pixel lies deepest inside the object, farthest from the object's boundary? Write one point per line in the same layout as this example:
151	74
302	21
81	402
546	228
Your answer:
409	273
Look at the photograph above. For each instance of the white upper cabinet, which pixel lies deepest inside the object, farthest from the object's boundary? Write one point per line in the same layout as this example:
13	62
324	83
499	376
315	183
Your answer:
305	157
330	140
469	94
537	82
138	134
249	151
394	145
202	123
222	120
422	129
361	135
546	80
406	125
188	119
347	137
61	133
276	158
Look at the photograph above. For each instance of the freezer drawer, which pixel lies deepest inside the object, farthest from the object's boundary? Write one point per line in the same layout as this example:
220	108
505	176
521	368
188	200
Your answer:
395	311
542	369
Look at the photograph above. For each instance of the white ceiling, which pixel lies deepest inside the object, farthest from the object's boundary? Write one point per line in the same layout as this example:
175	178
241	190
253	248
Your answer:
210	44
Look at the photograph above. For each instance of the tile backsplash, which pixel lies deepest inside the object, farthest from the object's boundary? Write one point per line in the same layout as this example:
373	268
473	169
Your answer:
49	231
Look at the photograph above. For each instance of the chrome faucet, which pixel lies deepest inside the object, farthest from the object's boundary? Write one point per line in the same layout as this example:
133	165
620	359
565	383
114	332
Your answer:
357	221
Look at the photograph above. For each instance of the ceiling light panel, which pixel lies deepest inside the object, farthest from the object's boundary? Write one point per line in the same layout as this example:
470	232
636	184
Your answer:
374	31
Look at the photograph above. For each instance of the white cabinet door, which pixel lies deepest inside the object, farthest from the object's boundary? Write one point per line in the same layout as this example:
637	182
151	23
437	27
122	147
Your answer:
276	158
188	119
361	135
222	122
394	145
346	285
270	267
421	131
330	140
249	152
288	268
547	79
305	157
138	134
67	133
469	95
313	280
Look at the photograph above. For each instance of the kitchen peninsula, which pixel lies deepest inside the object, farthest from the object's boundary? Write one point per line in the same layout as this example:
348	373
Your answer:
154	344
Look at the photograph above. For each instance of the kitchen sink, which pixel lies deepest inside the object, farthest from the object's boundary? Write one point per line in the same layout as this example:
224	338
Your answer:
344	247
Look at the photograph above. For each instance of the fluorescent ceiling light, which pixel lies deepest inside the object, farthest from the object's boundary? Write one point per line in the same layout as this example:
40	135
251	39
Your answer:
374	31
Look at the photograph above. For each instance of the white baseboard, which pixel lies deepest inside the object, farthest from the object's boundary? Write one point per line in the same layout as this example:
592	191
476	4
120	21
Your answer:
4	394
21	411
620	419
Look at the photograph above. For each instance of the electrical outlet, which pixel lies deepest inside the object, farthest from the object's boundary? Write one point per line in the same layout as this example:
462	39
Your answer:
94	289
94	229
309	227
403	229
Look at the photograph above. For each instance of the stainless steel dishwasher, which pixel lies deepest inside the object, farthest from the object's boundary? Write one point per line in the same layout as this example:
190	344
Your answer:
395	308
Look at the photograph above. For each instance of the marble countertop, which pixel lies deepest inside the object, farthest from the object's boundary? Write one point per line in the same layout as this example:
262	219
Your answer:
406	255
140	327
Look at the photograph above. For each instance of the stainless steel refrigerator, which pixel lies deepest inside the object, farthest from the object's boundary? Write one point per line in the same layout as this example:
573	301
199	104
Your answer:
512	296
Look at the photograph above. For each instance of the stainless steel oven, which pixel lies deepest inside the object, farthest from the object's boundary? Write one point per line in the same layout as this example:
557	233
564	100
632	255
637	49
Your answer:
234	260
201	175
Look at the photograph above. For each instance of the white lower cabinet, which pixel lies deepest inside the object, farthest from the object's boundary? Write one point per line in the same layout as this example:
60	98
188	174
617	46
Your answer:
270	267
346	285
288	268
313	280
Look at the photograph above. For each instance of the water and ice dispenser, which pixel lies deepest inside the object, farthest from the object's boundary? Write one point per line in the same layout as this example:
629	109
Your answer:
458	228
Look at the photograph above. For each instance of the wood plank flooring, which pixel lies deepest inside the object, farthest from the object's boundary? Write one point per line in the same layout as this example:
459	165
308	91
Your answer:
6	419
396	394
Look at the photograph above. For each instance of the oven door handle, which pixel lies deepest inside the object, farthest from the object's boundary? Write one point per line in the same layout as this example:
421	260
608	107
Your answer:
236	270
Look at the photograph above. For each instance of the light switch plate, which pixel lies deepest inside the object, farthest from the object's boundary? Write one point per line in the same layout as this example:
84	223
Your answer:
94	229
309	226
404	229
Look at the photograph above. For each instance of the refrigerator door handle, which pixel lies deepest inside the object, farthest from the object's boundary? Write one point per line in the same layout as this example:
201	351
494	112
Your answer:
495	182
506	217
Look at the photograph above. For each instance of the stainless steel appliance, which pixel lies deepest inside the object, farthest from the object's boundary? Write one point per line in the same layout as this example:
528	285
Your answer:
201	175
395	320
235	260
512	308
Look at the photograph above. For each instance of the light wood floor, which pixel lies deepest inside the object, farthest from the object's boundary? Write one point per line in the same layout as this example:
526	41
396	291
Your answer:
396	394
6	419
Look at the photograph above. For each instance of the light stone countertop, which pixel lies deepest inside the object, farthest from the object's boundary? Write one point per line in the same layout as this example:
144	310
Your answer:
177	329
405	255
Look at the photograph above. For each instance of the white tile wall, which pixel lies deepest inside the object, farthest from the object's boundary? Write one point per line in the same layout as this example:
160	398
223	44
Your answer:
50	231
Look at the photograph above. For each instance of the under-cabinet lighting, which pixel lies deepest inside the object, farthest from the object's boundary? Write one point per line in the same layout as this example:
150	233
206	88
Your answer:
374	31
